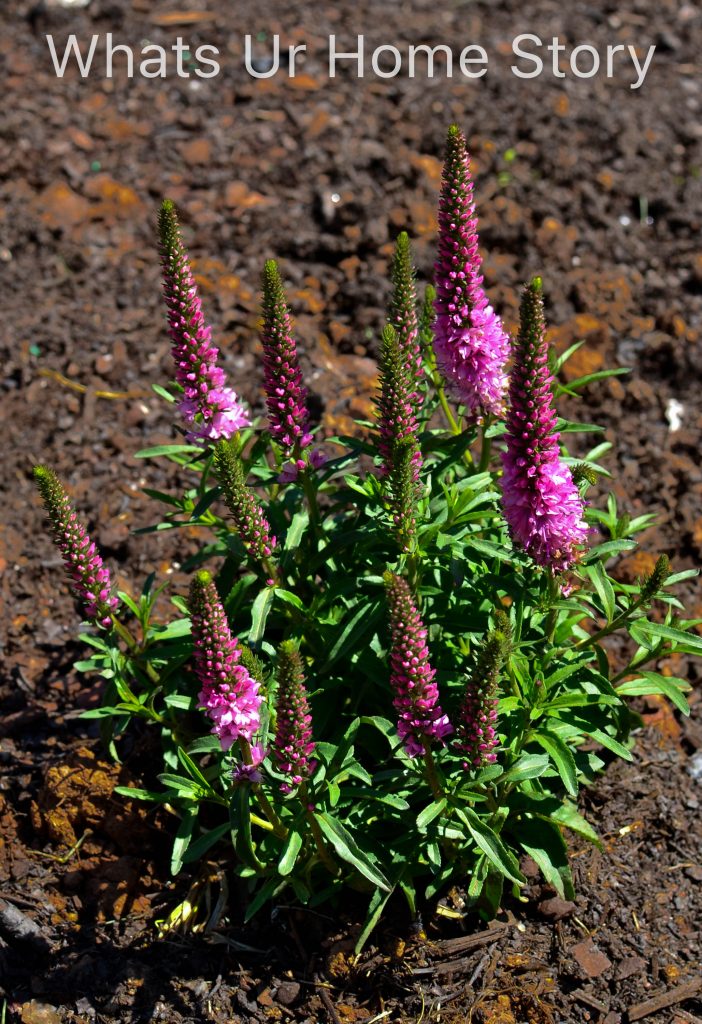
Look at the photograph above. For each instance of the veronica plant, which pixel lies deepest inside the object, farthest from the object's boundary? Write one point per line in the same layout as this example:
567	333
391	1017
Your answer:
390	677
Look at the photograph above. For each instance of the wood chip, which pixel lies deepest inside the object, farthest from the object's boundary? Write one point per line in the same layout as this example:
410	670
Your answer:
664	999
182	18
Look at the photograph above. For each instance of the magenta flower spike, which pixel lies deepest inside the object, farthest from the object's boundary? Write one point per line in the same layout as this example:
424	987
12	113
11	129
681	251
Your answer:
211	411
293	745
286	396
416	696
470	344
90	579
542	505
476	733
229	695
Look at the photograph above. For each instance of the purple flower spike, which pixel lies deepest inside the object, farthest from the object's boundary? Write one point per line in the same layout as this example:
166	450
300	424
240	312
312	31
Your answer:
211	410
90	578
293	746
476	733
286	396
229	695
542	505
416	697
470	344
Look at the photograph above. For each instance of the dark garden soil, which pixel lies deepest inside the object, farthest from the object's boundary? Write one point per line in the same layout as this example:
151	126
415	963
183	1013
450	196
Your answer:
597	186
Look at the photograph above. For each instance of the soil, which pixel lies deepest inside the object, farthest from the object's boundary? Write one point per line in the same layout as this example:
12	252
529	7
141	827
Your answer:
594	185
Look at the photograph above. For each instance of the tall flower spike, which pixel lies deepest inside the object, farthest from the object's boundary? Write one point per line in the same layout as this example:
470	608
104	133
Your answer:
416	697
90	578
397	444
403	313
542	505
293	746
249	520
229	693
210	409
286	396
476	733
470	344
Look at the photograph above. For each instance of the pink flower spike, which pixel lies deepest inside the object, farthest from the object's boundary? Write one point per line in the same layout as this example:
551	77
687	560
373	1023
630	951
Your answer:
542	505
470	344
91	579
229	694
286	396
416	696
210	409
293	745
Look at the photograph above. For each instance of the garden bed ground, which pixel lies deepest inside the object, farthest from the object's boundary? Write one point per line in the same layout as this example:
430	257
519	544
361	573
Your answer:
595	185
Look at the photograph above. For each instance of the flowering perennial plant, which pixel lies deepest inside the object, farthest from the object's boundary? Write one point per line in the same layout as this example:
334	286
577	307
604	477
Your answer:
405	708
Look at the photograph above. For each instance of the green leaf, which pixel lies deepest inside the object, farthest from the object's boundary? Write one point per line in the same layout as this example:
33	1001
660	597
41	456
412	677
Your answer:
652	682
604	589
568	816
161	391
296	529
142	794
176	629
182	701
360	623
573	386
430	813
529	766
205	842
287	597
678	577
292	847
184	787
192	769
687	642
259	614
240	820
168	449
182	838
267	891
480	873
488	548
130	603
608	549
205	745
492	846
544	843
578	700
347	848
562	756
375	910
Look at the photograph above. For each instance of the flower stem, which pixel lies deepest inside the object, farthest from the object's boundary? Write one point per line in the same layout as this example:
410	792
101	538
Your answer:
432	777
322	848
486	449
263	802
